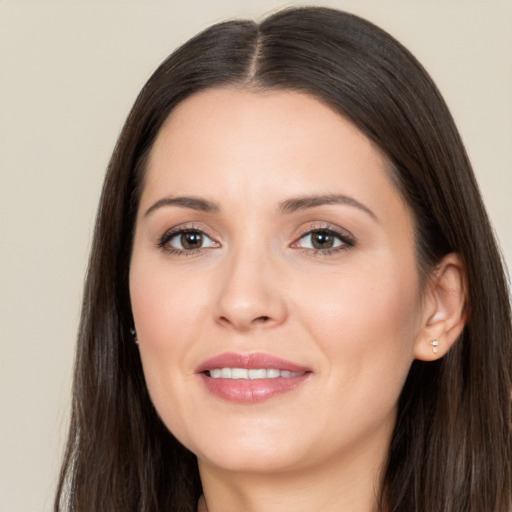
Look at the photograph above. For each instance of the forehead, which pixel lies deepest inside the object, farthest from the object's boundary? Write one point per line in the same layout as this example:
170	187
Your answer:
270	137
262	114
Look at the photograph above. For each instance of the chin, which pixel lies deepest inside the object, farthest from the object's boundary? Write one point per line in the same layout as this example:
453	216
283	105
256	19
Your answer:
251	451
253	460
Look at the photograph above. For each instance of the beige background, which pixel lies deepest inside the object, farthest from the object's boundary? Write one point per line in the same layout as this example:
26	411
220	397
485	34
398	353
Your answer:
69	72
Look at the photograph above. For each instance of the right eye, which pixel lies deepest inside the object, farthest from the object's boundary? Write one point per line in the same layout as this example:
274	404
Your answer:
186	240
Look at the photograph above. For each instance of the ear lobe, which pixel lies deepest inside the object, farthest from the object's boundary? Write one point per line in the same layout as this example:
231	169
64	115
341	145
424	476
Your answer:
444	318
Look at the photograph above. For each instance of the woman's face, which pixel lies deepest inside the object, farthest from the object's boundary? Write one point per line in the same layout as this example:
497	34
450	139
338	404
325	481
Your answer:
274	283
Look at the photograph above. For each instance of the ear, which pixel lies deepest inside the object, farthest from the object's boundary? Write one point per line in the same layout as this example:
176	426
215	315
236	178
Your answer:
444	309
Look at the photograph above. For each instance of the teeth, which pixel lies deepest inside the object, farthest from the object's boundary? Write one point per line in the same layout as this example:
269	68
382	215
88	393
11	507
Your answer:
272	373
239	373
252	374
225	373
258	374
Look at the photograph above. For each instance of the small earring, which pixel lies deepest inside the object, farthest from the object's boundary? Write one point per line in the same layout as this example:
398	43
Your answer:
434	344
133	332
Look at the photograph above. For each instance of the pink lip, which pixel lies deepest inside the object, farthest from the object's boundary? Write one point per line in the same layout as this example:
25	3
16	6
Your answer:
251	391
250	361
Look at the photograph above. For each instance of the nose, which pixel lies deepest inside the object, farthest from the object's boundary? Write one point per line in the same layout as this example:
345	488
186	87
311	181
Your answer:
250	296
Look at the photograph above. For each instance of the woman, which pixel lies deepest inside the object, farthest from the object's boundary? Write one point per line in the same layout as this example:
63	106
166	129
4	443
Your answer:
294	300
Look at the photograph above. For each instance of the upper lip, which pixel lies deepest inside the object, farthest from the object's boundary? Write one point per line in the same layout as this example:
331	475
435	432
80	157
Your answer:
250	361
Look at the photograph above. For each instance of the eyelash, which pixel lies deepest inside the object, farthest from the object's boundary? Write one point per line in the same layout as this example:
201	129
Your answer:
163	243
347	241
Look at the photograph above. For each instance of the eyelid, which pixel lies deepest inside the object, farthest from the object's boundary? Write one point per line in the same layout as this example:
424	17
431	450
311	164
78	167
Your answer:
324	226
163	240
347	239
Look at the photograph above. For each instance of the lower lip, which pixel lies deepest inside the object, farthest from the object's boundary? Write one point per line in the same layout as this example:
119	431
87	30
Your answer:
251	391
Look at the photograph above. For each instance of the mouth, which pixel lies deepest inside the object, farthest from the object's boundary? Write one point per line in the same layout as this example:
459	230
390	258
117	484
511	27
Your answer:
250	378
251	374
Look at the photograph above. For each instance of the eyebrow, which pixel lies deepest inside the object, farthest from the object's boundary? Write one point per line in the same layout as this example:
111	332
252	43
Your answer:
192	203
289	206
304	202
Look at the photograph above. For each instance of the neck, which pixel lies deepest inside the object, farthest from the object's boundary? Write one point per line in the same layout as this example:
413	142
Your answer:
330	487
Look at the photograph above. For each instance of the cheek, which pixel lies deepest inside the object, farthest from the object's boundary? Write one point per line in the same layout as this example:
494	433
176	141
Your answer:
165	304
366	320
365	325
163	320
165	311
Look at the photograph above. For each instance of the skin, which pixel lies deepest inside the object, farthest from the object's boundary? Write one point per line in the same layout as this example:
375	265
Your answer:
356	317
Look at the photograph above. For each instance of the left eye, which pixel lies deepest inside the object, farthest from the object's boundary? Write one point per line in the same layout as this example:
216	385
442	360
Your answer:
321	239
189	239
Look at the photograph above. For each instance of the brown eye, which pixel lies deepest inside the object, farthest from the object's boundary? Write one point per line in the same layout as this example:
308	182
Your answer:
187	240
191	240
322	240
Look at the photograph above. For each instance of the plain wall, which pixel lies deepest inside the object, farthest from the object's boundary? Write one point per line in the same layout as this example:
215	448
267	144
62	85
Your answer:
69	72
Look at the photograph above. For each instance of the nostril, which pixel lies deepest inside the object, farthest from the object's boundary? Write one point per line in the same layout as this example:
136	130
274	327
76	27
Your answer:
263	319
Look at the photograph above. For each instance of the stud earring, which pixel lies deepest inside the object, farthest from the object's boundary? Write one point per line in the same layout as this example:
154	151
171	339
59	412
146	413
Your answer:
133	332
434	344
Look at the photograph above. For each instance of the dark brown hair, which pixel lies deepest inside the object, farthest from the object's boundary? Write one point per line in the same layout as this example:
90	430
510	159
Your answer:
451	448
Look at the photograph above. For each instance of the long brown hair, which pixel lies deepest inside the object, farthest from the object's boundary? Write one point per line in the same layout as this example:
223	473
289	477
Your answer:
451	448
